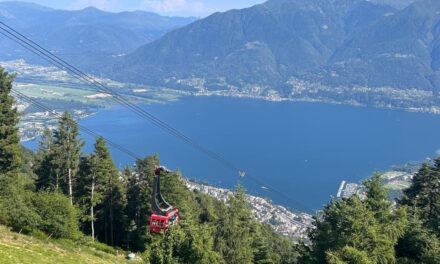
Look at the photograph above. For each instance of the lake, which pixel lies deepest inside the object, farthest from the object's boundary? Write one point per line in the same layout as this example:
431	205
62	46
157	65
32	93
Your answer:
303	150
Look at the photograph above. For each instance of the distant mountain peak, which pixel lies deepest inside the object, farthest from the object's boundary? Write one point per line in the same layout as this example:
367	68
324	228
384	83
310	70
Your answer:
92	9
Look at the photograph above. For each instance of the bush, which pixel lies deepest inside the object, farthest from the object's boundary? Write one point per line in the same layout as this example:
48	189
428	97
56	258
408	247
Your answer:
16	208
38	234
58	216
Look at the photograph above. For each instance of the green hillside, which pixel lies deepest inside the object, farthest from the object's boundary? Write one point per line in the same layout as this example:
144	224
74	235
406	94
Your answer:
16	248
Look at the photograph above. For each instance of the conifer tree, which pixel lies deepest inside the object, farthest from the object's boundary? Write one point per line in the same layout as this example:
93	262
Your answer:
101	169
10	149
262	252
94	173
233	238
392	222
107	195
15	200
353	230
45	168
418	245
67	152
139	190
423	197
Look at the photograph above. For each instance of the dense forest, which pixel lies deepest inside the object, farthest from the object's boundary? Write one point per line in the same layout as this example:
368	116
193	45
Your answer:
59	192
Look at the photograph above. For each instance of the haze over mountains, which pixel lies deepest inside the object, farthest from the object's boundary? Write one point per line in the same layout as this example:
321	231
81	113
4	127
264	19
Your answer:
381	52
286	46
260	44
83	36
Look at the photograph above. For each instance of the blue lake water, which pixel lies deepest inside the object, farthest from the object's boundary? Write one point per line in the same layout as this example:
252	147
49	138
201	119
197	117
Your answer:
302	149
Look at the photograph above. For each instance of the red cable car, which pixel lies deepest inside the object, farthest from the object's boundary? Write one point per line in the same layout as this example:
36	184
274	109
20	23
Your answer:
164	215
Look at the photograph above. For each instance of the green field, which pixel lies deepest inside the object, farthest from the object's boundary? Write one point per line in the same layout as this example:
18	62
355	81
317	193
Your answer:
398	185
22	249
56	92
90	96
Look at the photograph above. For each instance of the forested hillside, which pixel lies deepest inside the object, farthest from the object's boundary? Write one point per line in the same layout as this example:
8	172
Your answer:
60	193
346	51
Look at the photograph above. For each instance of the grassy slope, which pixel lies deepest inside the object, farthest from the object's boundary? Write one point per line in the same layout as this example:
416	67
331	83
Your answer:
17	249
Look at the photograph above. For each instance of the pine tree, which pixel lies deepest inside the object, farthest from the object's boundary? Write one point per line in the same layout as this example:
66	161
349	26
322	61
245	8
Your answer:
262	252
15	200
107	196
233	238
67	152
114	206
392	222
44	168
139	190
10	149
418	245
353	230
423	197
90	191
101	169
377	198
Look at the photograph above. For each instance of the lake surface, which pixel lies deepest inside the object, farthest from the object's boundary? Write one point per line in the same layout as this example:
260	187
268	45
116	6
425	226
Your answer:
302	149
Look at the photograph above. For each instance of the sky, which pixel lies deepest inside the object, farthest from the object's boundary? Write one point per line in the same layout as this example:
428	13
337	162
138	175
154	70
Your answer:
197	8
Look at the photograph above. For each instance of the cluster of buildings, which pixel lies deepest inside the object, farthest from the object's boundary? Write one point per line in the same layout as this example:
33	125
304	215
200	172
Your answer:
395	180
284	221
347	189
32	124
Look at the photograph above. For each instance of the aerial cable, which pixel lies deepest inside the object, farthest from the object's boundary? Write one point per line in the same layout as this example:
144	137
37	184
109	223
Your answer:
129	153
45	108
81	76
61	64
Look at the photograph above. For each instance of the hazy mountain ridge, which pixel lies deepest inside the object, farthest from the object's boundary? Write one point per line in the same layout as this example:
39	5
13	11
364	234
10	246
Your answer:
400	51
346	44
343	51
264	44
86	35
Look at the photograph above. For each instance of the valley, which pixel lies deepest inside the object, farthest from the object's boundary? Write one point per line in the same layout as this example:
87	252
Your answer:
60	91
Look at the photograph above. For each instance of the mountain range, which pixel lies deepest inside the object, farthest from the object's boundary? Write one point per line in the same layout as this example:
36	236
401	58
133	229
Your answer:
381	52
83	36
338	49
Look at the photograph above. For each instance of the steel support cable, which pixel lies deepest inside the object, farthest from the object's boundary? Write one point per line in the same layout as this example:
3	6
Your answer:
61	64
42	107
81	76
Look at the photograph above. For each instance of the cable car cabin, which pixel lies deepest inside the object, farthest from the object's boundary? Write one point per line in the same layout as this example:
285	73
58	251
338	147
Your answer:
164	215
159	223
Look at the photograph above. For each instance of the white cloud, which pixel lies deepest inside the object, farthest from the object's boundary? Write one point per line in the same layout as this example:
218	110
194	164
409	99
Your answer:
176	7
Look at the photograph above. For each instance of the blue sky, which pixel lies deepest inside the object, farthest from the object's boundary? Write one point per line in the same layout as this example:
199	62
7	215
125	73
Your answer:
165	7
